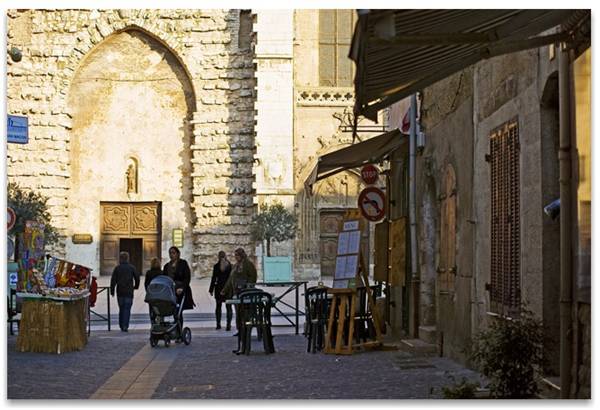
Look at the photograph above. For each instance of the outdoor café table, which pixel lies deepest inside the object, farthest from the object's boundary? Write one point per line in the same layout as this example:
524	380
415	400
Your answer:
52	324
291	286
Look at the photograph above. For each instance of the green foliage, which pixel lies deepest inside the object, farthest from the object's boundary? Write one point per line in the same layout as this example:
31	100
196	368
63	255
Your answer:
273	223
509	353
30	206
462	390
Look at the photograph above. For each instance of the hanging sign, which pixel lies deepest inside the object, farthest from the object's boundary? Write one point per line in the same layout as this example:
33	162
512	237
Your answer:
371	203
369	174
11	219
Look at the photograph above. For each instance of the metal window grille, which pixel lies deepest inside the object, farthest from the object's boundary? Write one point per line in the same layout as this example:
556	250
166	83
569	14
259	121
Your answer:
505	292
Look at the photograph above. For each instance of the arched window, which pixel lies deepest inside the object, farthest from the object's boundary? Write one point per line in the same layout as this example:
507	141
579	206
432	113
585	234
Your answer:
447	266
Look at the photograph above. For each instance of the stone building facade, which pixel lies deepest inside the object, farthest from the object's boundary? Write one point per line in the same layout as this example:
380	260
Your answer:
164	97
154	126
462	116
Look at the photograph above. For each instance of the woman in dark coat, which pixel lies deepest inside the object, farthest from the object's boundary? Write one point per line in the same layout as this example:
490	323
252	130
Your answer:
179	270
220	274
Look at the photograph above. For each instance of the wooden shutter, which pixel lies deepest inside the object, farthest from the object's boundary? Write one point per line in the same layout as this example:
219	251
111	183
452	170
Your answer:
505	269
447	266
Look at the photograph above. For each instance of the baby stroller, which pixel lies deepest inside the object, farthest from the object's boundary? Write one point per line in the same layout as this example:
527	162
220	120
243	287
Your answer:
163	303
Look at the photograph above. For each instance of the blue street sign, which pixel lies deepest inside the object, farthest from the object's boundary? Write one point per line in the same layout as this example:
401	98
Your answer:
17	129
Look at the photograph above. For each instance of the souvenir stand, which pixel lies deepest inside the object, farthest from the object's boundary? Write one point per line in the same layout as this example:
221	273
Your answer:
54	294
350	272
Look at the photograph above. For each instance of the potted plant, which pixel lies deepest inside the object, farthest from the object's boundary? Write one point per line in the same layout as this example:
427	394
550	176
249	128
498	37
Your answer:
509	354
274	223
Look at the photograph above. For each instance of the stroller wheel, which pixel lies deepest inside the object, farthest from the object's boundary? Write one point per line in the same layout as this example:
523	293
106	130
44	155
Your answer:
167	340
187	335
153	341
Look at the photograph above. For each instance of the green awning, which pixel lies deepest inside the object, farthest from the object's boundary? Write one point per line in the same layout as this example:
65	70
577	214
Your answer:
373	150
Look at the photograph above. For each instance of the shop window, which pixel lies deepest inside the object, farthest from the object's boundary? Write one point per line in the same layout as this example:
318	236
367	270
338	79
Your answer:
447	267
335	35
505	289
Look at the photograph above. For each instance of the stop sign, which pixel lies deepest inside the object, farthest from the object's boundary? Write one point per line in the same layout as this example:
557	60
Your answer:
369	174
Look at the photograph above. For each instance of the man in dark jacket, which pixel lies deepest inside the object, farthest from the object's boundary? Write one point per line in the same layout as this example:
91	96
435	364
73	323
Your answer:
125	279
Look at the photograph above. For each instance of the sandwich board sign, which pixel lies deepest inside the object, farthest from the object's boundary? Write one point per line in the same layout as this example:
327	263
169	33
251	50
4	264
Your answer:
17	129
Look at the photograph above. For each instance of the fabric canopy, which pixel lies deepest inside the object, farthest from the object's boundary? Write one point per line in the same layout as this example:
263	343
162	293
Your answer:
369	151
399	52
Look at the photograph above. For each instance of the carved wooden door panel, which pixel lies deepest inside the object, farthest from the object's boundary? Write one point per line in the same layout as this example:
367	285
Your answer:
329	224
123	220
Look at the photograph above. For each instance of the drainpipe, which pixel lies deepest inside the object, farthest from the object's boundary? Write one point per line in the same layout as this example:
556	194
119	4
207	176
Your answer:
414	277
566	274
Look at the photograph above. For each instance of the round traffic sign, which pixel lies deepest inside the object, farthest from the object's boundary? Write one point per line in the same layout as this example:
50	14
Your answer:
11	219
10	248
371	202
369	174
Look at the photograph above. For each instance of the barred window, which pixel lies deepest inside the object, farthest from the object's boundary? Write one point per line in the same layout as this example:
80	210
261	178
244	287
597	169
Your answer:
505	291
335	36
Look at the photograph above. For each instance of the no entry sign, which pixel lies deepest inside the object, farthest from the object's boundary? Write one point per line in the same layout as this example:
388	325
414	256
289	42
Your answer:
371	202
369	174
11	219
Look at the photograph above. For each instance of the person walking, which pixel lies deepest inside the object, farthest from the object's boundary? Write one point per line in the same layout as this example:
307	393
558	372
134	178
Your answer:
154	271
242	274
179	270
126	279
221	272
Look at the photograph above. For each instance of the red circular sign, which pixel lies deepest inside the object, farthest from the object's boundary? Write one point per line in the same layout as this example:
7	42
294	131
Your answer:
369	174
371	202
11	219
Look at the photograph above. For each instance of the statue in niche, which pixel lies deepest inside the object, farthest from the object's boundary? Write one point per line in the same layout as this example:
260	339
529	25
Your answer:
131	175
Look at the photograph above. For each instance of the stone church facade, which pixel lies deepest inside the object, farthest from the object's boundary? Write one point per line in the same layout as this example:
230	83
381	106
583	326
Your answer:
153	126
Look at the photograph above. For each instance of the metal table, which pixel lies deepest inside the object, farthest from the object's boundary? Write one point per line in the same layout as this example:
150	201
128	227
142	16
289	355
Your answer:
291	286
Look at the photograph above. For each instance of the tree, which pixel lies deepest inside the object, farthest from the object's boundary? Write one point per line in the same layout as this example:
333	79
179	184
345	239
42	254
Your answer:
273	223
30	206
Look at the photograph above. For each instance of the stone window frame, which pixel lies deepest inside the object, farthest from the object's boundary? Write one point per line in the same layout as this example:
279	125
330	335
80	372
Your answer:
340	46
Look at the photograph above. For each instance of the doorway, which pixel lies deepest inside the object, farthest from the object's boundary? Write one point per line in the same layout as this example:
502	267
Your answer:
133	246
134	227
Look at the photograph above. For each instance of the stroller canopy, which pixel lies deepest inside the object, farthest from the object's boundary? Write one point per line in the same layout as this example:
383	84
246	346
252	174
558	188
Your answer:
161	289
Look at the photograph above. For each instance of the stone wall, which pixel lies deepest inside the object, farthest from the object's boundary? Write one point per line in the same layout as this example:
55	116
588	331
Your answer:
217	63
447	121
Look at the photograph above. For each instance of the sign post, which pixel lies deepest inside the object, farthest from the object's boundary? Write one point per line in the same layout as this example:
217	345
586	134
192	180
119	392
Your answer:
371	202
11	219
369	174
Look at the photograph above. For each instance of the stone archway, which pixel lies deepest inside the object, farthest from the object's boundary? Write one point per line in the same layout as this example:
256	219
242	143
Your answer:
130	98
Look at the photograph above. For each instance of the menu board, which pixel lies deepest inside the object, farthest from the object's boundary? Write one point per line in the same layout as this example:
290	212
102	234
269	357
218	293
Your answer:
354	242
343	242
346	266
346	263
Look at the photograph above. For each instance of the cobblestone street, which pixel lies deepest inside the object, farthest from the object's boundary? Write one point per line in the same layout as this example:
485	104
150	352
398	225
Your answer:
208	369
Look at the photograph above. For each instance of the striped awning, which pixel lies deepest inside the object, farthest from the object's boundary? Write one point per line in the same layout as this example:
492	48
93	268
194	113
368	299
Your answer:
399	52
370	151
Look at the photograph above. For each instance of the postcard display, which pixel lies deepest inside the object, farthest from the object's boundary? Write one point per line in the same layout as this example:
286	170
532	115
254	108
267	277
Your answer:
350	272
55	294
